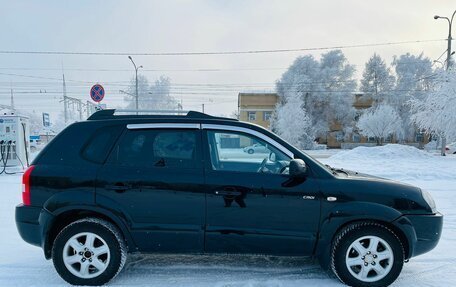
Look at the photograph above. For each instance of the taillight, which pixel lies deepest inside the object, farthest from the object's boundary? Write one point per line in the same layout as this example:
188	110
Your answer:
26	185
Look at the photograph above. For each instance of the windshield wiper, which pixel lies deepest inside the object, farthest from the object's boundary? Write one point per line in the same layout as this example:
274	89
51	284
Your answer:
336	170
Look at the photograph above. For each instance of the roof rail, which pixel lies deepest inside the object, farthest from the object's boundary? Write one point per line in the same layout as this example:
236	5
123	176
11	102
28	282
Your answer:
110	114
102	114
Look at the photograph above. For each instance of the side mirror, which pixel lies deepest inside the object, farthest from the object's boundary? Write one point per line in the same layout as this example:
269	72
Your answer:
297	168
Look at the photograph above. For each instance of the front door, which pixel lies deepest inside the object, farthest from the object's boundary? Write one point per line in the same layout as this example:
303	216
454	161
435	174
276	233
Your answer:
154	176
252	204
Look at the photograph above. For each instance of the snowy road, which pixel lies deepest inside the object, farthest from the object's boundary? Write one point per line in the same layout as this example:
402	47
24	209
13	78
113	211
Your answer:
24	265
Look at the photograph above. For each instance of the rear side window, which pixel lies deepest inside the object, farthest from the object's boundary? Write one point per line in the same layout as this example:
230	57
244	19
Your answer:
65	148
158	148
99	145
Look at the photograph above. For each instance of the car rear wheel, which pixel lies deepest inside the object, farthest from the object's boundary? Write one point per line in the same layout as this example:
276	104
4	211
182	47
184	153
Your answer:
89	251
367	254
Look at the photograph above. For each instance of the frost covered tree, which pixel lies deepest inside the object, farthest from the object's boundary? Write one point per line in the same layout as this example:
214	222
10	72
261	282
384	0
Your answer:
337	84
324	86
380	122
291	122
378	81
436	112
414	74
35	121
414	80
151	96
59	124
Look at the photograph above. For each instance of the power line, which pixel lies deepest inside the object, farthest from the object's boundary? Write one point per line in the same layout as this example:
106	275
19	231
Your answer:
82	84
216	52
214	69
215	93
144	70
37	77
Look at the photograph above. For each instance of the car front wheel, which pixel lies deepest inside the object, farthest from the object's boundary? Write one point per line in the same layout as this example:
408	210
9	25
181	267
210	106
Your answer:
367	254
89	251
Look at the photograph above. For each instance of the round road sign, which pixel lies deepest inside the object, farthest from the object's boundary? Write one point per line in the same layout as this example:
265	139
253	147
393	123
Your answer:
97	93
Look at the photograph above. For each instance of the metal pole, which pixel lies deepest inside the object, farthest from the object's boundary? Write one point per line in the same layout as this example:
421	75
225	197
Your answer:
80	109
12	100
136	80
65	109
448	64
137	105
450	22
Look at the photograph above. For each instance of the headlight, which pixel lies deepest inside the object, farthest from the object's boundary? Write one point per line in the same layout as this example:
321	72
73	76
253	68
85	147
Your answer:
429	200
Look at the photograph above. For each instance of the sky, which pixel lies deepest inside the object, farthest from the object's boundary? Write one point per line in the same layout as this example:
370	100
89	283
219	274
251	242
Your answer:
195	26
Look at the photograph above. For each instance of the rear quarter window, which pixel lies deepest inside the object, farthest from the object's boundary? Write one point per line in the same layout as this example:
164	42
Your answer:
71	145
97	148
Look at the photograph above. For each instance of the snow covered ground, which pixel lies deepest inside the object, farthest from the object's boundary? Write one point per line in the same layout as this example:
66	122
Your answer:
24	265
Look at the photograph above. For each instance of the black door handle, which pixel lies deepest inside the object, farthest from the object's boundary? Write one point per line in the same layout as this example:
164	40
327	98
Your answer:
227	192
118	187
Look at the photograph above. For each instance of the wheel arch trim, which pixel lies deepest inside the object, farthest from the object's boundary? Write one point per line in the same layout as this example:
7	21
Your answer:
343	215
75	212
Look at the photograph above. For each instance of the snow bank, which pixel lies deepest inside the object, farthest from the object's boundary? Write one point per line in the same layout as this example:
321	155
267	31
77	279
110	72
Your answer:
390	151
394	161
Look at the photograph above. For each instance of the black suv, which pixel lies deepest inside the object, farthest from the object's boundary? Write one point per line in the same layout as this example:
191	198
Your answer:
184	184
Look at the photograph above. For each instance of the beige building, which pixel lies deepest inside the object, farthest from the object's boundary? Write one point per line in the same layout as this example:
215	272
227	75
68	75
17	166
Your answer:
257	108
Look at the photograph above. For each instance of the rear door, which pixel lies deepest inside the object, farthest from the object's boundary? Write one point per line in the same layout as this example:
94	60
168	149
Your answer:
154	176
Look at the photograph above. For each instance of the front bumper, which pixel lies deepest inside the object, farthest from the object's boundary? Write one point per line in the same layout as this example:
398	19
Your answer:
423	232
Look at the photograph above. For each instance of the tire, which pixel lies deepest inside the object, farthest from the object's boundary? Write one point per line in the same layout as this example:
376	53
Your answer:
103	259
380	267
250	151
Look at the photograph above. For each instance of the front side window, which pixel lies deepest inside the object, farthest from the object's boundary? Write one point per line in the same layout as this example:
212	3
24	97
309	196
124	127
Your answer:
159	148
245	153
251	116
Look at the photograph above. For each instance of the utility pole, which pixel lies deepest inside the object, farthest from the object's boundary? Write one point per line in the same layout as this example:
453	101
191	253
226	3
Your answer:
91	108
65	104
12	99
448	63
80	109
202	105
136	77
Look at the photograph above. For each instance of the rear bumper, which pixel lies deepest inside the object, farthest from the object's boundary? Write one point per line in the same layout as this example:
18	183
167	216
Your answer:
423	231
32	224
27	223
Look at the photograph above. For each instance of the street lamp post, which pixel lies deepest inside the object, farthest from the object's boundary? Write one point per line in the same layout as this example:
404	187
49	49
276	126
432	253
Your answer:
136	77
450	23
448	61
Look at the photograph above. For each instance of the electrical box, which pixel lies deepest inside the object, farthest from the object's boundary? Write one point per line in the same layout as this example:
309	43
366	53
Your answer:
14	140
